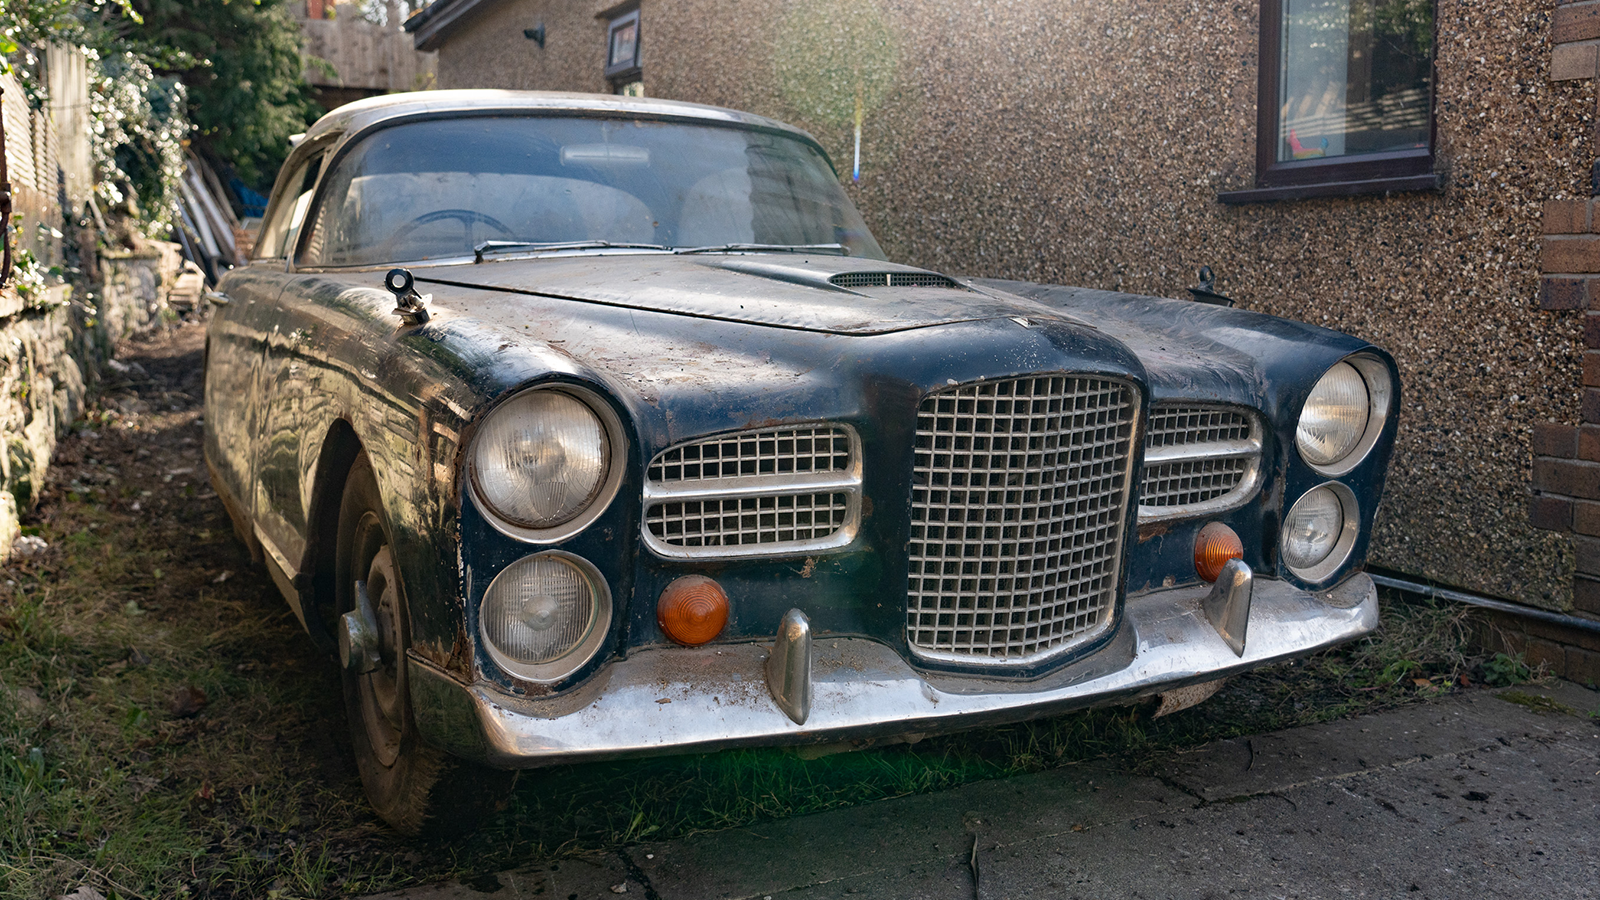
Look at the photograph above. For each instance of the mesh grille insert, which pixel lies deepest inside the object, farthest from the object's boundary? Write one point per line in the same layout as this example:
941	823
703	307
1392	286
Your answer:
891	279
745	521
1019	499
786	451
761	492
1177	426
1199	459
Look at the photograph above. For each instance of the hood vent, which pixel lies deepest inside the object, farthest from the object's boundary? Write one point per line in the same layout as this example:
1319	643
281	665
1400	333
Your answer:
891	279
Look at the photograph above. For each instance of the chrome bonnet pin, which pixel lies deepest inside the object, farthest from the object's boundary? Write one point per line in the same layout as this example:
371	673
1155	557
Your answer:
410	306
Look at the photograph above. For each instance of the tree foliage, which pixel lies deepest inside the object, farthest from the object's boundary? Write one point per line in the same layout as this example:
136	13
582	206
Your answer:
241	63
225	76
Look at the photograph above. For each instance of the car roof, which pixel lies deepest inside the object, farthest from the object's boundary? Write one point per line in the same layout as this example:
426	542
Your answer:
361	114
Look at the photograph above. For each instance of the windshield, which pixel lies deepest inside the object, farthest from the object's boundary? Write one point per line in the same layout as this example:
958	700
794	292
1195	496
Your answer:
438	189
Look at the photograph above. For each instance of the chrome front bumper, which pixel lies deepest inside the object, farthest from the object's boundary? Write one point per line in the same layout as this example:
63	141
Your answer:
679	700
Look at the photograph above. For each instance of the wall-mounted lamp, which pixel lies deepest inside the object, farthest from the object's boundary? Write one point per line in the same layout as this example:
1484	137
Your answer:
535	34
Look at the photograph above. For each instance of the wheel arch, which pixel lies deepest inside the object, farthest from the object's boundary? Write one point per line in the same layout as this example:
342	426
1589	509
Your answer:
340	448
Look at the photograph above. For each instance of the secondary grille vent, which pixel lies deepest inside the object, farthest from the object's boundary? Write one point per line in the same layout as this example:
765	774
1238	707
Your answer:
764	492
1198	460
1019	498
892	279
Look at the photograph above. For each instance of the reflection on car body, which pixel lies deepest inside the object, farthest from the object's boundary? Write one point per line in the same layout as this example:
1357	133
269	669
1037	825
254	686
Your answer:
645	415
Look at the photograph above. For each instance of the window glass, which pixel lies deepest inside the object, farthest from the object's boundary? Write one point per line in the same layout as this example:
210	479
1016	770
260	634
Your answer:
1356	77
438	189
280	233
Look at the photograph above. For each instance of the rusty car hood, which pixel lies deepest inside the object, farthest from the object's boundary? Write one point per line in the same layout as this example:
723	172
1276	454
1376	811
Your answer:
787	290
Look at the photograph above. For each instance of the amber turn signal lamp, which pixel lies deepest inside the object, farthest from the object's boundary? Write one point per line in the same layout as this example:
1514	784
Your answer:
1213	547
692	610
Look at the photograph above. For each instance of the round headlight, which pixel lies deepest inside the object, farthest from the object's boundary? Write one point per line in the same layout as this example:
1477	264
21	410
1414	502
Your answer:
541	459
545	615
1319	531
1334	417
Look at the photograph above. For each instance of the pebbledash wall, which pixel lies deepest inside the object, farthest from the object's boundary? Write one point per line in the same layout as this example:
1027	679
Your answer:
54	340
1086	142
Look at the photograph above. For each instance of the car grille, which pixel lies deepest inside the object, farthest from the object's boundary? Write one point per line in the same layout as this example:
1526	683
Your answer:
891	279
1019	498
1198	460
765	492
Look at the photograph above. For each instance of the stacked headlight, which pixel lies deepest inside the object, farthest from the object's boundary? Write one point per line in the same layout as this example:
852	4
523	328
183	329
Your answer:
542	462
1320	531
545	615
1344	414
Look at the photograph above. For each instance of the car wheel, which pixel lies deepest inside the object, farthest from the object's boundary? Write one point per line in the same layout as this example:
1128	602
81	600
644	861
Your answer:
415	787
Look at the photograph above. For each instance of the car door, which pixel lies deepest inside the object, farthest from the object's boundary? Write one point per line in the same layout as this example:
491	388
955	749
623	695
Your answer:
238	385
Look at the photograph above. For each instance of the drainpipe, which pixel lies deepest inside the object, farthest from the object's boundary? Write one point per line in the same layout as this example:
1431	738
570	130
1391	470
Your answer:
1478	600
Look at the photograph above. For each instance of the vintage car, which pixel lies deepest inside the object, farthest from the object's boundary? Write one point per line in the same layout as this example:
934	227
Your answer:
585	427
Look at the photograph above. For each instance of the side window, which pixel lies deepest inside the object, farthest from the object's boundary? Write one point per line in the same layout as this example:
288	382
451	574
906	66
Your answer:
281	231
1346	95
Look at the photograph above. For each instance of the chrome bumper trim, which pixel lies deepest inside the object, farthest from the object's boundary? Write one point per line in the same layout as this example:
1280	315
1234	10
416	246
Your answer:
681	700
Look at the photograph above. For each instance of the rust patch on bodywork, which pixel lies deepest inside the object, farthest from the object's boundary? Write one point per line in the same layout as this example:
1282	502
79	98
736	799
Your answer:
457	660
1153	530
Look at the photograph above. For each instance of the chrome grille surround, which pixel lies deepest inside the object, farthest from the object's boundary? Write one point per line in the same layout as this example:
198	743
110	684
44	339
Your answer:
1018	515
764	492
1198	460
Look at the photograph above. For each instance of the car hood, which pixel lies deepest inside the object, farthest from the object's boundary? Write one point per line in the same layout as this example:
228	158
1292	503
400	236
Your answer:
788	290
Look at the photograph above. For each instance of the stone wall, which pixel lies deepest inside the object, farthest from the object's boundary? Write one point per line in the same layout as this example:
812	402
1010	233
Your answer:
55	338
52	350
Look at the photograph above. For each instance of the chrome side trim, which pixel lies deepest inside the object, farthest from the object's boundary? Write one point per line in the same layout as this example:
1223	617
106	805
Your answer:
284	574
862	688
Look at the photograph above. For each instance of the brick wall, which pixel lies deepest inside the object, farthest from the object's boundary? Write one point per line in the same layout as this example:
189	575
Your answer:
1566	457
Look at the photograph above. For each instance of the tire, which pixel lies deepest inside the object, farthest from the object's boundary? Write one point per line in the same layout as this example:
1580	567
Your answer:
416	788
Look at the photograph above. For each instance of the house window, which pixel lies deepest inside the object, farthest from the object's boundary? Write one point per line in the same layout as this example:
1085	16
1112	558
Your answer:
622	54
1346	97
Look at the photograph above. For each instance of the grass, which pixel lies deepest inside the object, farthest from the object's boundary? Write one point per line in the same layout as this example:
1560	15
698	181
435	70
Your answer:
110	776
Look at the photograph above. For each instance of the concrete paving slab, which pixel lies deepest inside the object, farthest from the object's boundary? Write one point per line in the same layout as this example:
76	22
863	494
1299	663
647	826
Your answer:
1261	764
1479	795
900	834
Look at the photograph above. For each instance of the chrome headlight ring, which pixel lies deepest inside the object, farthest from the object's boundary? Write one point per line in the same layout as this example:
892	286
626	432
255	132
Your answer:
1327	540
547	462
1338	395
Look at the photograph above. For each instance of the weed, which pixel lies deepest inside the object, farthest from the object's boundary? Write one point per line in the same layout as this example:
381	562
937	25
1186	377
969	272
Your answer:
1506	670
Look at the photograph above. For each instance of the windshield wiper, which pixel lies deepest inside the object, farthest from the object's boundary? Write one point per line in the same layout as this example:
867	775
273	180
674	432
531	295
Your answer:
487	247
767	248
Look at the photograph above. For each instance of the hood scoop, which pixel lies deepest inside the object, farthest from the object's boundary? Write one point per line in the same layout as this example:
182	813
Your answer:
853	280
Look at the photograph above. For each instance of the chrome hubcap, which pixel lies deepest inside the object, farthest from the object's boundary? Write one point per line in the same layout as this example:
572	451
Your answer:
382	707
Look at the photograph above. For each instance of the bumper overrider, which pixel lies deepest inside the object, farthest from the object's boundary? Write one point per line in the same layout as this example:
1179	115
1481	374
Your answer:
806	689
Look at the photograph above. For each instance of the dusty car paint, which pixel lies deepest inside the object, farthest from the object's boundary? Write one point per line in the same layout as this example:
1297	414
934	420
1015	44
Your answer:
306	366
